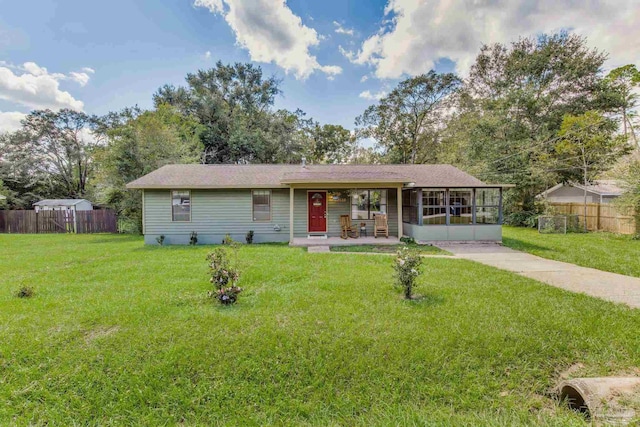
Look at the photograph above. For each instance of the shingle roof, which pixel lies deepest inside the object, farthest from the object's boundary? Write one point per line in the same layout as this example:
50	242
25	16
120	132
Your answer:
197	176
605	187
59	202
601	187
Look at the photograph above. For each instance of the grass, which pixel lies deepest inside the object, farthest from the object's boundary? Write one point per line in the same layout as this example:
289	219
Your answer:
604	251
122	333
425	249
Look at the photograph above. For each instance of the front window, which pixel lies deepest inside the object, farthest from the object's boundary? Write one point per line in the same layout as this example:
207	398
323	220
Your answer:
262	205
181	205
487	206
434	210
461	206
365	204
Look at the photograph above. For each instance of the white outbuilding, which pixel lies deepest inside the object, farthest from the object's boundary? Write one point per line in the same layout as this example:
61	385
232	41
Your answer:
73	205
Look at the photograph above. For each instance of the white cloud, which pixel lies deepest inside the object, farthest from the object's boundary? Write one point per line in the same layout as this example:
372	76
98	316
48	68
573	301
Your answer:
33	86
207	55
81	78
416	34
271	32
342	30
10	121
88	70
364	78
373	96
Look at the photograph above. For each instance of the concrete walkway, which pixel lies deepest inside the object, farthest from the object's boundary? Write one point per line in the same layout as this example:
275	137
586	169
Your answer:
608	286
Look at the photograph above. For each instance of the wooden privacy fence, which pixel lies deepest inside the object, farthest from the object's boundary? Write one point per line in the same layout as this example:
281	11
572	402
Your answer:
23	221
600	217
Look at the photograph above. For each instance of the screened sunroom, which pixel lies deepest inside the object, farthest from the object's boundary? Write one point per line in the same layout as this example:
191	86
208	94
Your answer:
447	214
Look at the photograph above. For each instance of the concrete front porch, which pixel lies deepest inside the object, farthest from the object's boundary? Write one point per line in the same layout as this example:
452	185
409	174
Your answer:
337	241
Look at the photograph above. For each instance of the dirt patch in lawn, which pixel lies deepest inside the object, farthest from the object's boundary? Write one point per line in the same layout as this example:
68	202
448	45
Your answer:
100	332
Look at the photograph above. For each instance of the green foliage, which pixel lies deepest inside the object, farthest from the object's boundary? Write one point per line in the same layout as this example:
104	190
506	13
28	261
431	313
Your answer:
228	240
406	123
629	201
224	276
522	218
50	156
25	292
160	239
138	143
588	145
234	104
512	107
623	83
408	240
249	237
408	267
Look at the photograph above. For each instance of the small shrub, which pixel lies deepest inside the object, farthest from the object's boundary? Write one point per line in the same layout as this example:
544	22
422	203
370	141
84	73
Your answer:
408	240
224	276
249	237
25	292
193	239
407	265
522	219
160	239
227	240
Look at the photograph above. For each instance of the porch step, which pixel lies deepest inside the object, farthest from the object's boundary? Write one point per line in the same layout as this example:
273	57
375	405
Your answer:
318	249
317	236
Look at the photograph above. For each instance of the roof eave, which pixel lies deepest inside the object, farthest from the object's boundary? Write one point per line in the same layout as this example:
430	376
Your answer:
133	186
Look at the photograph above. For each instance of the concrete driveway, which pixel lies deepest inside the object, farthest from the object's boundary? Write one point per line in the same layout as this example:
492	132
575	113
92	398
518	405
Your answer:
608	286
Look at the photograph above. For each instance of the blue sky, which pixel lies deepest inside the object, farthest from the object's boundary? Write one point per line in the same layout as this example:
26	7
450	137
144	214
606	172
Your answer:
121	51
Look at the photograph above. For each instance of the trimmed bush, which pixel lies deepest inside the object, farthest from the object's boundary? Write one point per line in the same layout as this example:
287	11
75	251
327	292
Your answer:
224	276
407	265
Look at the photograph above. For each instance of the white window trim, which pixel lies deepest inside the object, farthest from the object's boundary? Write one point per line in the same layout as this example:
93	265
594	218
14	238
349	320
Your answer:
171	201
253	217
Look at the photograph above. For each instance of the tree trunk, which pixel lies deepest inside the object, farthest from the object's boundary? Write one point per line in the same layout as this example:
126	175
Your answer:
585	198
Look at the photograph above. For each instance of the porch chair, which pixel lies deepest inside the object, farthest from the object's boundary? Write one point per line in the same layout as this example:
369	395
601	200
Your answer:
381	227
346	228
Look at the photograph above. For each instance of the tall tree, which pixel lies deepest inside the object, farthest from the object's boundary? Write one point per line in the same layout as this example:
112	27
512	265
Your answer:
629	178
233	104
137	143
624	81
330	144
53	152
587	147
23	172
407	122
513	104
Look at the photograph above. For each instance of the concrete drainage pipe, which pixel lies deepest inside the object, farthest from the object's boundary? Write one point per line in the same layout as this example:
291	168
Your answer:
602	398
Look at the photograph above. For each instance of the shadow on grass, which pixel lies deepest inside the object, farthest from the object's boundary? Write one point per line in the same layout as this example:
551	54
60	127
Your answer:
522	245
110	238
428	300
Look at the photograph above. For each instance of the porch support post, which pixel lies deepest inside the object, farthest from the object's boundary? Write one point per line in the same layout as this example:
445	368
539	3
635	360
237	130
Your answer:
420	209
399	202
446	204
500	215
291	194
473	206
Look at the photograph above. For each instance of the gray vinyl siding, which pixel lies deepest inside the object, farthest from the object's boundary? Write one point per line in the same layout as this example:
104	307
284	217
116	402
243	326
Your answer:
570	194
214	213
337	208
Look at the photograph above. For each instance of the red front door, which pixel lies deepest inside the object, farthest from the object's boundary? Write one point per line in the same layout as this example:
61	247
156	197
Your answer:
317	211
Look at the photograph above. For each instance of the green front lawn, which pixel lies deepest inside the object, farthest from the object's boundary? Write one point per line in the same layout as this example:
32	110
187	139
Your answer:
122	333
604	251
387	249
